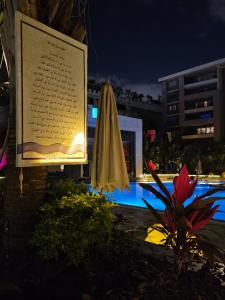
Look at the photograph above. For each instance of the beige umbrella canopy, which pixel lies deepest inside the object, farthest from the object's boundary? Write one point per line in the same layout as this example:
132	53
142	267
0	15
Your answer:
108	165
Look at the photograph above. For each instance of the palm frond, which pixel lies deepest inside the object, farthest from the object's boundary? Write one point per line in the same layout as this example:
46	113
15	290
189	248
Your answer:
53	7
79	32
29	8
61	17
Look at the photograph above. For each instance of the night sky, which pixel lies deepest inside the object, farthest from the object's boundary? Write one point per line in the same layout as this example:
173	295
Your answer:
134	42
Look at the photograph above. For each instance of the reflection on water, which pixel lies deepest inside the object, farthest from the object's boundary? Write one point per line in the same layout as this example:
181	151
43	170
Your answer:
136	193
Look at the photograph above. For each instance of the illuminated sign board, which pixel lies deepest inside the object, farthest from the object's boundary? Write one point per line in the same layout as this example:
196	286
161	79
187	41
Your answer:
51	74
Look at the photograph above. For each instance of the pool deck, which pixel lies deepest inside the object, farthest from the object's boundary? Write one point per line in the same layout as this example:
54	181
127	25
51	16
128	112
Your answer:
138	218
170	177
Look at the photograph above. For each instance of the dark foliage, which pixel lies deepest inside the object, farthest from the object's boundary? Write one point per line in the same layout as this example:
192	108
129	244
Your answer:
123	272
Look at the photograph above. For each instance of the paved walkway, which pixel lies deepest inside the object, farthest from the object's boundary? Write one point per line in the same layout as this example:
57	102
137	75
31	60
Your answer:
138	219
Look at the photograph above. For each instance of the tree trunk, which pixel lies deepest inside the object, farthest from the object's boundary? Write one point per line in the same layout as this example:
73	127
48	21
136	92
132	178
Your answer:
20	209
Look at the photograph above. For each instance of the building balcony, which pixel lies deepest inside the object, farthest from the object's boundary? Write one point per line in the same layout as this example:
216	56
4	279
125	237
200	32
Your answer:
198	109
198	122
172	113
198	136
171	91
203	94
172	96
205	115
200	87
152	105
200	83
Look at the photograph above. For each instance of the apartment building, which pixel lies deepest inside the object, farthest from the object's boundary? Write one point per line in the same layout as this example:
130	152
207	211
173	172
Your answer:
194	103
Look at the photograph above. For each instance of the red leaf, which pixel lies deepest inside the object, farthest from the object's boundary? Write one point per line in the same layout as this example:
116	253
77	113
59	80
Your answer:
151	165
183	187
169	221
192	216
205	221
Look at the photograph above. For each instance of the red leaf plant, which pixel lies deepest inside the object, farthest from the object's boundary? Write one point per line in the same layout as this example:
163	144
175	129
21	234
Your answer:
151	165
180	224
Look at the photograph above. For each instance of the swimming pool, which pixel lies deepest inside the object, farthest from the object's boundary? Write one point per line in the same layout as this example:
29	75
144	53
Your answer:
133	197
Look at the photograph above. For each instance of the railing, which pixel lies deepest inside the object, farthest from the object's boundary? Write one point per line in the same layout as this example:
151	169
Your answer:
150	105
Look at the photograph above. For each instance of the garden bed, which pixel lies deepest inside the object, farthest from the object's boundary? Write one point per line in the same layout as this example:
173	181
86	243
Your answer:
138	218
126	272
91	254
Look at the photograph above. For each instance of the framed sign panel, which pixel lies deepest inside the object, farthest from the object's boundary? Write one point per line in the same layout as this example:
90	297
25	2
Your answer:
51	93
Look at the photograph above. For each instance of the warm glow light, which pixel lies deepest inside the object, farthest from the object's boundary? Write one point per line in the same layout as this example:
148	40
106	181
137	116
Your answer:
154	236
49	161
78	139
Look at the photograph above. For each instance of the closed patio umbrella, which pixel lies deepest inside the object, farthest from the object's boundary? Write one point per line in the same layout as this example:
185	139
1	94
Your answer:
108	165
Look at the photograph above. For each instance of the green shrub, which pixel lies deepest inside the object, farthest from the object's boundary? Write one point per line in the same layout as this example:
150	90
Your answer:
65	187
73	227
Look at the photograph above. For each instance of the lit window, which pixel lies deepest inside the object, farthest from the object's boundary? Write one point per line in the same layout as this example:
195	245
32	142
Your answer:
205	103
172	107
205	130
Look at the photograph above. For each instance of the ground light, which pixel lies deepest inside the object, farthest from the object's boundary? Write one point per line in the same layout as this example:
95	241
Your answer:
154	236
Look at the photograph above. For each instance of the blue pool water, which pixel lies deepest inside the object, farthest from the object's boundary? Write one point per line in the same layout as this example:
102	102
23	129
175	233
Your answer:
133	197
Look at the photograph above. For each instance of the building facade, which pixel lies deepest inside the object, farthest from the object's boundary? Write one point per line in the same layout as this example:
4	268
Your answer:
194	103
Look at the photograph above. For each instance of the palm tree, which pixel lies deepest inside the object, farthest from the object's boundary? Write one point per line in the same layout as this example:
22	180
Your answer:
213	158
167	154
119	91
128	93
20	209
140	97
134	96
149	99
